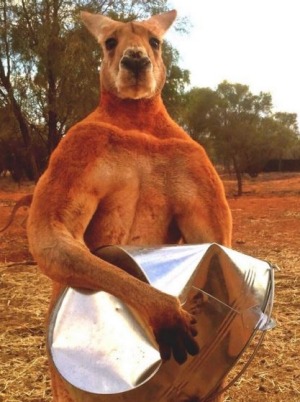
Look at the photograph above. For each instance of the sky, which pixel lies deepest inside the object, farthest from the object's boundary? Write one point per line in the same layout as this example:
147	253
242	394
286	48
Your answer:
251	42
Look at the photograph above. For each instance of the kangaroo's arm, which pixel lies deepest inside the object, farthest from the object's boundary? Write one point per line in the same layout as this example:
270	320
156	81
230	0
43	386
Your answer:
201	209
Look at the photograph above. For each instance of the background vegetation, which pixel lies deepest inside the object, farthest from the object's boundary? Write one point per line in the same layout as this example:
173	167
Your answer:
49	80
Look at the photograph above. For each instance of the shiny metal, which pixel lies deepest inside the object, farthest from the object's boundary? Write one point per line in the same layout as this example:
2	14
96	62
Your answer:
103	352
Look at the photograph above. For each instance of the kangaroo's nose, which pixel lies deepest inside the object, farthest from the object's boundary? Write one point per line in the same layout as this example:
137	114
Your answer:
135	61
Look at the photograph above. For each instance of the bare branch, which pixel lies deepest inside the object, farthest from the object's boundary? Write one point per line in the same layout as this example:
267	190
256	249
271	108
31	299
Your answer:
6	42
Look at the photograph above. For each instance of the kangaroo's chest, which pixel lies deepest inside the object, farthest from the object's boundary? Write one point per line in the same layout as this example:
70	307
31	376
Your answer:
141	209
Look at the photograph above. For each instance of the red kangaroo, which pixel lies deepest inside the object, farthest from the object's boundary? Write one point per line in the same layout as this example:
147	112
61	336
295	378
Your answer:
126	174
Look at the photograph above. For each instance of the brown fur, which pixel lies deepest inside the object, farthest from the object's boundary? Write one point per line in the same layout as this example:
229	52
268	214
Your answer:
127	174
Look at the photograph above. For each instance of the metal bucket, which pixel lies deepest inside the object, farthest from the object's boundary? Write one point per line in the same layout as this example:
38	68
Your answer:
103	353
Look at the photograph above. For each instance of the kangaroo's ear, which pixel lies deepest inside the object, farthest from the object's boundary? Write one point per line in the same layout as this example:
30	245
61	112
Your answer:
97	24
162	22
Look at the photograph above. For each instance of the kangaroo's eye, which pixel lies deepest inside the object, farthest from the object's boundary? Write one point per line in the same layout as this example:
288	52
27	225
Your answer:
154	43
111	43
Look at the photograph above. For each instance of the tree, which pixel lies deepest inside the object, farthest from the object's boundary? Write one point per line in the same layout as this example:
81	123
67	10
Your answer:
52	49
197	116
241	137
9	97
238	128
230	123
284	136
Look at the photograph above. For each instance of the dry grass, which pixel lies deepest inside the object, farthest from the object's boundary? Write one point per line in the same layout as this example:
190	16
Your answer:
266	225
23	303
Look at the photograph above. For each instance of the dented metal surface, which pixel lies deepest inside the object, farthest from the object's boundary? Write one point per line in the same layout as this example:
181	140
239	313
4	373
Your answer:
103	351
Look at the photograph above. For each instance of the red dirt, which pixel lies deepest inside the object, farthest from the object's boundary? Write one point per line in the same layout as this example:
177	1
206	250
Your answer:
266	225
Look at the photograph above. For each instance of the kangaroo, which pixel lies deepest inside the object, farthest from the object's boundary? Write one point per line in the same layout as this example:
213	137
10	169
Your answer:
126	175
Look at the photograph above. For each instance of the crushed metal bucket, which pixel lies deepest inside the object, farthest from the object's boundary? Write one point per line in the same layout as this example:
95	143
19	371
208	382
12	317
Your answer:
104	354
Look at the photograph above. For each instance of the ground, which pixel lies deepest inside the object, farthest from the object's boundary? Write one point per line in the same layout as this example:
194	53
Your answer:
266	225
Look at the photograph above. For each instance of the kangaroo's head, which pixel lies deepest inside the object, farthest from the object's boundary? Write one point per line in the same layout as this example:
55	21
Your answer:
132	65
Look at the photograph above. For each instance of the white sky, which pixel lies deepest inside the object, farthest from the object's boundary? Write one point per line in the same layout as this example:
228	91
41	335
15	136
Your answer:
251	42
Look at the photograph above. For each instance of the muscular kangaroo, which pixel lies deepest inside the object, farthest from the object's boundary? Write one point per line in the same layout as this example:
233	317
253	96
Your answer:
126	174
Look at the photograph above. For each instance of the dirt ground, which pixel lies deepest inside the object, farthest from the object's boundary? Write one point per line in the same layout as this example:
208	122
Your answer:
266	225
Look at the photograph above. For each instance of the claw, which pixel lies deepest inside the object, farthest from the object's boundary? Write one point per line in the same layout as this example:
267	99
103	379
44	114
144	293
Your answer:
178	340
192	346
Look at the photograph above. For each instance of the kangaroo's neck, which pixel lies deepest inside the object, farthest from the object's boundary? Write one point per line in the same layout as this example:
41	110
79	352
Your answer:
136	109
146	115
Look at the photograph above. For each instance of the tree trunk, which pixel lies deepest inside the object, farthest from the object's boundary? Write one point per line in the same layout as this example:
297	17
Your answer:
53	135
238	176
53	26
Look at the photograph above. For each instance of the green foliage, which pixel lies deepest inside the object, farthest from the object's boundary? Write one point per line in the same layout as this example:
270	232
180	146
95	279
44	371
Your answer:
197	116
176	81
237	136
238	128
